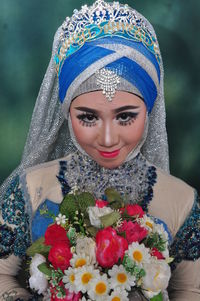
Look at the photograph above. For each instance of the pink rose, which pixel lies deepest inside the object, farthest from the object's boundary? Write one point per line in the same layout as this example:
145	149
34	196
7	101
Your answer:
101	203
133	231
54	234
60	255
110	247
134	210
69	296
156	253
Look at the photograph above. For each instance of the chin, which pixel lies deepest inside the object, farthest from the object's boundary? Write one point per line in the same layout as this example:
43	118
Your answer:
110	164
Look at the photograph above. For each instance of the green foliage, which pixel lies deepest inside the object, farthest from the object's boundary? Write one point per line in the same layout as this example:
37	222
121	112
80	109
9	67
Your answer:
110	219
69	206
159	297
132	268
44	269
114	198
38	247
155	240
73	203
84	201
71	234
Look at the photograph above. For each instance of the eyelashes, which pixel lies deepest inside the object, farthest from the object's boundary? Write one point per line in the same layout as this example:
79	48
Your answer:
87	119
124	118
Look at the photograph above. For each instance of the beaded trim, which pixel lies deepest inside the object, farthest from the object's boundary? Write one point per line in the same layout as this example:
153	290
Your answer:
87	175
108	81
14	232
186	245
61	178
100	20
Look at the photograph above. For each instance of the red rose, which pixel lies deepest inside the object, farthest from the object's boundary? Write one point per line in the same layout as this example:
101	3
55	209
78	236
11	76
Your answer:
110	247
123	227
134	232
135	210
156	253
69	296
60	255
101	203
55	234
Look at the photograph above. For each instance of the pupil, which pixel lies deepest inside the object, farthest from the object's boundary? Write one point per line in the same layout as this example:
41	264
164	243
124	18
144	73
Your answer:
90	117
124	116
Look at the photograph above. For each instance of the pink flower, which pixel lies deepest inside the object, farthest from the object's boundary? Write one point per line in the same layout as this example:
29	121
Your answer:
69	296
101	203
54	234
133	231
156	253
110	247
134	210
60	255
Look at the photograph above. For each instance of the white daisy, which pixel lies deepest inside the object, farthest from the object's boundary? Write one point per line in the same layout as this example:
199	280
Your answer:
69	279
61	219
147	223
79	260
99	288
120	278
159	228
118	295
83	277
138	253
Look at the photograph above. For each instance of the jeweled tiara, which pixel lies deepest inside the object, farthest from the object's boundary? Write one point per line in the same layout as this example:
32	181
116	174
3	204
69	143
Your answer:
100	20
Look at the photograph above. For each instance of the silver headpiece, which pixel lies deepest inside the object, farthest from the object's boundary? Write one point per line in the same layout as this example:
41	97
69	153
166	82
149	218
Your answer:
107	80
49	136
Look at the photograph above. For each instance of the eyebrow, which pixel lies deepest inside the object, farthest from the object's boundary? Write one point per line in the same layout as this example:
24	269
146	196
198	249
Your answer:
118	110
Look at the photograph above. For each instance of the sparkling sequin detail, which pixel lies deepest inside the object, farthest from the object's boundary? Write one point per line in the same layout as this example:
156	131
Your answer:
100	20
87	175
108	81
14	231
186	245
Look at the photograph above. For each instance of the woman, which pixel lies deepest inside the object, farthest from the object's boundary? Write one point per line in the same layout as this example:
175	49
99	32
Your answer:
109	130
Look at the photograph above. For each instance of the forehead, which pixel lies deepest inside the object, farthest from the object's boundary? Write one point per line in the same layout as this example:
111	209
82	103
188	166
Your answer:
97	99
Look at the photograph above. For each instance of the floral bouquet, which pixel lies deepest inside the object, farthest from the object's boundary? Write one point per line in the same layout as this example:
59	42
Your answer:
100	250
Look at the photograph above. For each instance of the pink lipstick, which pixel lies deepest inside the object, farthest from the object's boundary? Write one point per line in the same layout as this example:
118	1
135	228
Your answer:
110	154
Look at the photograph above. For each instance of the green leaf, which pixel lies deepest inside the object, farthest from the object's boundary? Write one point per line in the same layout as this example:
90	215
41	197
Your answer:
110	219
85	200
92	231
38	247
69	206
44	269
114	198
158	297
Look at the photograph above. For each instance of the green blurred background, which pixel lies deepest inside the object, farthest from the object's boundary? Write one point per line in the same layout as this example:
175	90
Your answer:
27	28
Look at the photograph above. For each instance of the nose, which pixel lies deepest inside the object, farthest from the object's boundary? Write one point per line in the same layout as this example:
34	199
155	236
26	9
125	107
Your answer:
108	135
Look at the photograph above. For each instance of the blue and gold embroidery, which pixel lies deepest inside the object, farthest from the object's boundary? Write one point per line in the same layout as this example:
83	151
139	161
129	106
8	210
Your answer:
14	230
186	245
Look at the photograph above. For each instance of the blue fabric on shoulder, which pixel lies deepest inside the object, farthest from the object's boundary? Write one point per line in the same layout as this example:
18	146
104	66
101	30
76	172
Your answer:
40	221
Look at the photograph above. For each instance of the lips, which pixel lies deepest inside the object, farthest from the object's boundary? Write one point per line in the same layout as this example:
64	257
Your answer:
110	154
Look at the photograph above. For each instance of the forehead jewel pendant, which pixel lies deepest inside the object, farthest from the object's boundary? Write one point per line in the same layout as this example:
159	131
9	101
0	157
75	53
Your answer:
107	80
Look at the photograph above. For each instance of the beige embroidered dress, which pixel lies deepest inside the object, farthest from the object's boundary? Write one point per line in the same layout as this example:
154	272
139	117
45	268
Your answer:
165	197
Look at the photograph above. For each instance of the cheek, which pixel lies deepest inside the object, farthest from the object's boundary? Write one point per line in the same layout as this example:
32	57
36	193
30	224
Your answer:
83	134
134	132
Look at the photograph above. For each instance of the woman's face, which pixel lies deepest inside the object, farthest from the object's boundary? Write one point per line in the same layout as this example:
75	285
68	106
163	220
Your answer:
108	131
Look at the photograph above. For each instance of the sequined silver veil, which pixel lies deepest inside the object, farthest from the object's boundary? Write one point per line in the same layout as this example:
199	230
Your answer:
49	136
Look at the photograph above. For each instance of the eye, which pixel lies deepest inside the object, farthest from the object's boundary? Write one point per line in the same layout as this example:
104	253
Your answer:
126	118
87	119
